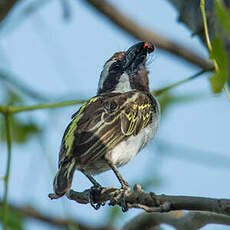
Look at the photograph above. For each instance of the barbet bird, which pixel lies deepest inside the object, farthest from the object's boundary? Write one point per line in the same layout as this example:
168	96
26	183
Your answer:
112	127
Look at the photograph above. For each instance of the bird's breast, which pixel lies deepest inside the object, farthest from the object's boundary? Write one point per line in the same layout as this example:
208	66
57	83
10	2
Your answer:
128	149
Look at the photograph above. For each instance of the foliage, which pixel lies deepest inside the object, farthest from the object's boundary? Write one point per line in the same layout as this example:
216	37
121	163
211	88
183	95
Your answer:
223	16
15	220
218	53
21	130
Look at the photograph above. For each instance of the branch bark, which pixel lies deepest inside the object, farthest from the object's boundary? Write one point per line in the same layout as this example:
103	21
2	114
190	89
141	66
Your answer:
16	109
180	220
5	7
133	29
141	33
151	202
7	175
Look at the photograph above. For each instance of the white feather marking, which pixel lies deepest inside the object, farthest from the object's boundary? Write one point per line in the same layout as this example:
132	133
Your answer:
104	74
127	150
123	84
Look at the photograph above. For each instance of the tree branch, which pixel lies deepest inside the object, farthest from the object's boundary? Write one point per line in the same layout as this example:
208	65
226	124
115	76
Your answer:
133	29
29	212
17	109
151	202
164	89
6	178
144	34
180	220
5	7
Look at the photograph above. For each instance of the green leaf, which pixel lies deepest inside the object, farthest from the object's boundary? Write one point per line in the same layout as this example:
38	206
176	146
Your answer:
21	130
223	16
15	220
219	54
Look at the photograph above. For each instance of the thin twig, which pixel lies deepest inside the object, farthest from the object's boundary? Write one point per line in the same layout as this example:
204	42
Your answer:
162	90
17	109
202	7
141	33
5	199
209	45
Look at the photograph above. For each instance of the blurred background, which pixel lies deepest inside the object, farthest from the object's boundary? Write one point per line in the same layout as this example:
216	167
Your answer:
52	51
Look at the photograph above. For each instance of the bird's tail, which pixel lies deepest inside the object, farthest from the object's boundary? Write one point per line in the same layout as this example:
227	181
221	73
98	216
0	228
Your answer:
63	179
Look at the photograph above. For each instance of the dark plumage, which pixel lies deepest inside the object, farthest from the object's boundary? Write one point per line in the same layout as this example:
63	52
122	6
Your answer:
112	127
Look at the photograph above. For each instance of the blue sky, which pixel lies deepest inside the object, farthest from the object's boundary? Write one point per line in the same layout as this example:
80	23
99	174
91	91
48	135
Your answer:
64	59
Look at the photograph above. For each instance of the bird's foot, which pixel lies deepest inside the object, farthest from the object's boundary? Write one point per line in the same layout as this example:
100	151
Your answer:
125	185
120	197
125	189
93	193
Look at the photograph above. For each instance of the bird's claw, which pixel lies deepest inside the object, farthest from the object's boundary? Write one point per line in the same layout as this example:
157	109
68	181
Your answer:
123	203
94	191
120	198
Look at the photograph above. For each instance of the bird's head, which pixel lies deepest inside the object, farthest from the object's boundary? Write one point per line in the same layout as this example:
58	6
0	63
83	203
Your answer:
126	71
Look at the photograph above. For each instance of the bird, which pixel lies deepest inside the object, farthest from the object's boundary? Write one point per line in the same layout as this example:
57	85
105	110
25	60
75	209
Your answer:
111	128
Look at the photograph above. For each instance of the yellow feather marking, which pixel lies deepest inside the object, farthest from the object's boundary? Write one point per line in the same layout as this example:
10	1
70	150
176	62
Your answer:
144	106
115	141
131	116
99	142
93	99
112	143
69	137
105	124
108	133
146	119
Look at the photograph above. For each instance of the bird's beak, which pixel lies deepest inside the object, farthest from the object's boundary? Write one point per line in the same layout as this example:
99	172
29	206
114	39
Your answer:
136	55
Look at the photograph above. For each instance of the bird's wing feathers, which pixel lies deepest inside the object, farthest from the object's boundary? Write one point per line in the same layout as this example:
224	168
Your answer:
103	122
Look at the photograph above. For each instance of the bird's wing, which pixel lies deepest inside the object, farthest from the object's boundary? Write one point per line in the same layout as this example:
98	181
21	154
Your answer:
103	122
